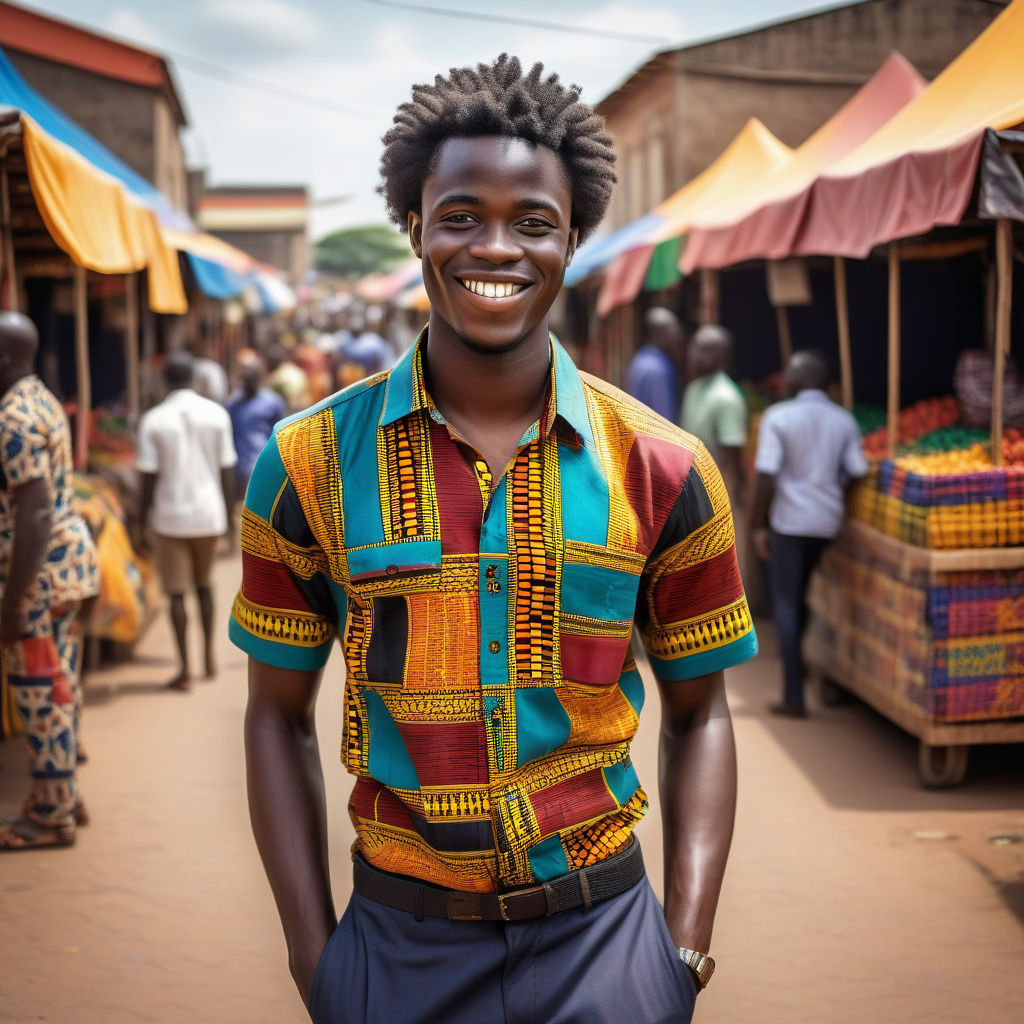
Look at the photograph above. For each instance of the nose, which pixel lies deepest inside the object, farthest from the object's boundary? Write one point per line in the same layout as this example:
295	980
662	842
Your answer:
495	243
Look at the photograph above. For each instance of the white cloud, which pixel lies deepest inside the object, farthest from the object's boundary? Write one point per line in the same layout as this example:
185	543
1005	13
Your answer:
258	27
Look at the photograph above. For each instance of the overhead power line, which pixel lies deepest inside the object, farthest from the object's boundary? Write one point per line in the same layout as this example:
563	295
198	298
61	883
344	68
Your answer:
553	26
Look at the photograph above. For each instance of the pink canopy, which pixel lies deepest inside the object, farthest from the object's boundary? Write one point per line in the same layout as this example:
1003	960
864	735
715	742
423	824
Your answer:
915	172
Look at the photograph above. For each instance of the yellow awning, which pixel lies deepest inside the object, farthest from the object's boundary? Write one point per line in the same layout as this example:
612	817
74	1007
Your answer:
97	222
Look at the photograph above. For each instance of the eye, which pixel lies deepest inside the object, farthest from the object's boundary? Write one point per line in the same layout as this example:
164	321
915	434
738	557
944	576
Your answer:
458	218
535	224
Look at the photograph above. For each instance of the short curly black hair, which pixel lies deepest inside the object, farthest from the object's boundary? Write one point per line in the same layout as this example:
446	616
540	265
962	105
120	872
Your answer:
498	99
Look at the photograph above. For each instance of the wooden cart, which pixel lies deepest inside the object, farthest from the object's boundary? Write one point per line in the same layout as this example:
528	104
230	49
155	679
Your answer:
943	746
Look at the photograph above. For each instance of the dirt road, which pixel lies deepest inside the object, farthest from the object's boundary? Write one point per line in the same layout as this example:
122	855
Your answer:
852	895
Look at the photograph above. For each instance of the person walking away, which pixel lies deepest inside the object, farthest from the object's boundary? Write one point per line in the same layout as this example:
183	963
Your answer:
480	526
652	376
808	451
714	408
187	459
287	378
209	378
254	409
49	574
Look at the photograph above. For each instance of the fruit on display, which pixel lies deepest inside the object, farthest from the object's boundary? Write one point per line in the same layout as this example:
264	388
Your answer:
915	421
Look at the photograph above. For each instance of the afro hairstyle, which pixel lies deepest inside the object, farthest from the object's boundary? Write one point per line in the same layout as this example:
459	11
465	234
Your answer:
498	99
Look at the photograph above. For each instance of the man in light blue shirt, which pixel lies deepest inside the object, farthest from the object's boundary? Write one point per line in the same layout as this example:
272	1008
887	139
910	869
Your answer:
808	451
653	373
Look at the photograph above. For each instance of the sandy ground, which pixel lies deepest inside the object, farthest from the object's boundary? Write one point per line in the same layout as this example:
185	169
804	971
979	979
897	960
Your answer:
851	895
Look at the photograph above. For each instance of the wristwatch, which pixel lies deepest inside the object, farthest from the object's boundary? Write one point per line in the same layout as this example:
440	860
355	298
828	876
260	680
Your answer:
700	963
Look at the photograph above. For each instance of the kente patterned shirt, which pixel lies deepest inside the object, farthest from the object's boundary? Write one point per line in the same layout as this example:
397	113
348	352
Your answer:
491	693
35	444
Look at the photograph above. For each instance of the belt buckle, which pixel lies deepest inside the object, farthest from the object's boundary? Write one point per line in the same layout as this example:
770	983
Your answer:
464	906
502	908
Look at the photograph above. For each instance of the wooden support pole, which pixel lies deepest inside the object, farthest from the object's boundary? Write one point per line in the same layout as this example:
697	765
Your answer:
1004	299
82	370
131	343
843	324
785	337
893	418
8	239
708	311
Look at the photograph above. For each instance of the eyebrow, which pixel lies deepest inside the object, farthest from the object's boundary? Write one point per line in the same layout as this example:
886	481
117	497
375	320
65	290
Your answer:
523	204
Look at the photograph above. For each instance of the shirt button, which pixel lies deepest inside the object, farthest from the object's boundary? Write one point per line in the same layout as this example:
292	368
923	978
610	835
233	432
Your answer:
494	647
392	570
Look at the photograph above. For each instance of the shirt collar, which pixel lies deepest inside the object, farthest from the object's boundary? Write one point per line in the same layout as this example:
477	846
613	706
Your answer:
407	392
812	394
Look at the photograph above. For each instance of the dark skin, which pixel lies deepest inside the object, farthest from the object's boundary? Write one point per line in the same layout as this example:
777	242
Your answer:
33	507
495	211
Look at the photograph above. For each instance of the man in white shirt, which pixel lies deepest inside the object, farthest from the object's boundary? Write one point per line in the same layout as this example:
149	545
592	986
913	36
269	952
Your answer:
808	451
186	456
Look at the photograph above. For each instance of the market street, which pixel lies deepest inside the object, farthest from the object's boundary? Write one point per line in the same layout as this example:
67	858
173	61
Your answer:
851	893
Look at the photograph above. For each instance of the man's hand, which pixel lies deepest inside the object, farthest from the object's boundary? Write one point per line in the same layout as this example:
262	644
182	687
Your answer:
762	540
303	965
13	625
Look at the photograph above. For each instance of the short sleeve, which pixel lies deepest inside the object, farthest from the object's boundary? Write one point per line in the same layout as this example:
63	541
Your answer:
769	447
855	465
692	610
146	460
285	613
731	422
24	453
228	455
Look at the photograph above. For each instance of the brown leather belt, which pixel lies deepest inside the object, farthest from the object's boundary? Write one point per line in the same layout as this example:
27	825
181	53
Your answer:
583	888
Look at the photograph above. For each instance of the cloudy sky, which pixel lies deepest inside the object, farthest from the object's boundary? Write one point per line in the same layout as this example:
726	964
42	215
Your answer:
302	90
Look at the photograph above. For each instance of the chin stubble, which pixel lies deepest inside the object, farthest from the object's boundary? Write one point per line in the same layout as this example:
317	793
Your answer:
482	349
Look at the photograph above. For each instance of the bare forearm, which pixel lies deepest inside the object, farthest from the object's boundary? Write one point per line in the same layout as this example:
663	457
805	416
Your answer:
698	800
28	544
289	821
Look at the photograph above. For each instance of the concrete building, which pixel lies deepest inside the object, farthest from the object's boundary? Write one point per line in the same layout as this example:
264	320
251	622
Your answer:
123	95
270	222
677	112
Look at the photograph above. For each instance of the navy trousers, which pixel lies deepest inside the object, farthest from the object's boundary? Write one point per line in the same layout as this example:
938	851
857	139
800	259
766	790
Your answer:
792	562
612	964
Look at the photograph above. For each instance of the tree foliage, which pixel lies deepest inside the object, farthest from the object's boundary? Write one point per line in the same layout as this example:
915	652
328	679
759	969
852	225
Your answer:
355	252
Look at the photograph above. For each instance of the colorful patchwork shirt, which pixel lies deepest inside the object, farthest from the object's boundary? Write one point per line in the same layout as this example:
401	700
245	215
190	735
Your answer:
35	444
491	693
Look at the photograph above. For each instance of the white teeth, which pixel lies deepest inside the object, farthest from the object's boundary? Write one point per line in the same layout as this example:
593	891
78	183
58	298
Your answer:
493	290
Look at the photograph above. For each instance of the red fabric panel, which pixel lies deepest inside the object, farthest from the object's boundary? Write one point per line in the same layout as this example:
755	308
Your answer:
459	504
270	584
448	754
699	589
593	659
908	196
624	278
373	801
570	802
655	473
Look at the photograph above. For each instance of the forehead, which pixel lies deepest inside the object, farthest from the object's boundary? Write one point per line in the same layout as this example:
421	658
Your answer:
496	165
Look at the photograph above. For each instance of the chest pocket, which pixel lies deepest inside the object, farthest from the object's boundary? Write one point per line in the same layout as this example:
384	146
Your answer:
598	603
385	567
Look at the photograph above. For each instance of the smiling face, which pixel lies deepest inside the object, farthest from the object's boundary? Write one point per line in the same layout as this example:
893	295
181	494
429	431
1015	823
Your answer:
494	237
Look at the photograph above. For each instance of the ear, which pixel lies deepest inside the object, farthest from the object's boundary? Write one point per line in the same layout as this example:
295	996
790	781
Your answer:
570	251
415	224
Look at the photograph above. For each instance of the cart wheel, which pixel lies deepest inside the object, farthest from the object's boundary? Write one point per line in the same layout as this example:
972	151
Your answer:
831	693
941	767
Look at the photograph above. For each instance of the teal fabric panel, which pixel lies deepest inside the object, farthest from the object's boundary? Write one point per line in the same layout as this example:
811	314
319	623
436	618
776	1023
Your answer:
547	859
570	401
389	757
703	664
265	483
632	685
494	665
622	780
281	655
399	391
355	424
402	555
599	592
584	495
542	724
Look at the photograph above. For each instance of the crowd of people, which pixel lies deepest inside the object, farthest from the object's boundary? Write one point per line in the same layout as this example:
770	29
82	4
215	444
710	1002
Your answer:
789	504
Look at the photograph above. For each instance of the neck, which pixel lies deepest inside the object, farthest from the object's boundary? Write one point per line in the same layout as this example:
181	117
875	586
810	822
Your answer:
494	389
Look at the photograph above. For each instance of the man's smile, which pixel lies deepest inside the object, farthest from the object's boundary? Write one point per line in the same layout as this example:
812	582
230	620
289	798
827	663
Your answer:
499	288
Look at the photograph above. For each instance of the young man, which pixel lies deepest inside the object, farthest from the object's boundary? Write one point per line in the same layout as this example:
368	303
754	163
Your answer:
808	451
48	571
481	525
187	459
